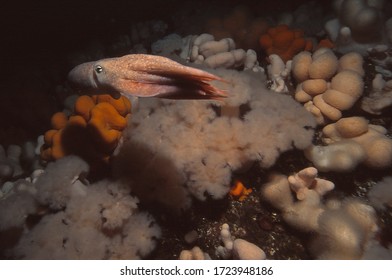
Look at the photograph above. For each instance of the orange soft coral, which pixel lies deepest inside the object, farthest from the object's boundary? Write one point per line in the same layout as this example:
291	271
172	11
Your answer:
83	106
58	120
325	43
239	191
106	124
122	104
285	42
69	139
92	132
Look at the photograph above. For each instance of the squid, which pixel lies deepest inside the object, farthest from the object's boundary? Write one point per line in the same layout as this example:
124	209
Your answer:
144	75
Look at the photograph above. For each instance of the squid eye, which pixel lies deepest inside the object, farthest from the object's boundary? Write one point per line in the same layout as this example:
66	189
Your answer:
98	69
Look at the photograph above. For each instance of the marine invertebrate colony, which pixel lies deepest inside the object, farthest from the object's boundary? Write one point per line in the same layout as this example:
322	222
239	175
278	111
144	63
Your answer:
278	72
283	41
351	141
92	132
379	98
200	143
221	54
239	191
343	229
72	212
325	98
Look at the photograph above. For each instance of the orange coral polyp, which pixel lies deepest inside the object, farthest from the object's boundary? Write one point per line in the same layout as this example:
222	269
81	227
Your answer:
122	104
91	133
298	45
57	150
107	123
239	191
283	39
48	136
298	33
273	31
83	106
265	41
325	43
46	153
284	42
77	120
58	120
107	116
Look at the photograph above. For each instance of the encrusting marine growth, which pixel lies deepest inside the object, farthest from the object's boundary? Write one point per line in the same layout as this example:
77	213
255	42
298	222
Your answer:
92	132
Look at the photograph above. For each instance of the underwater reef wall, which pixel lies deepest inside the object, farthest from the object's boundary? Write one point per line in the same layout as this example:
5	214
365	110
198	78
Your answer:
250	175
